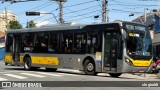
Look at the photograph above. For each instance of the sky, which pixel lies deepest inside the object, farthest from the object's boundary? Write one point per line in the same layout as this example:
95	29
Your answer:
82	11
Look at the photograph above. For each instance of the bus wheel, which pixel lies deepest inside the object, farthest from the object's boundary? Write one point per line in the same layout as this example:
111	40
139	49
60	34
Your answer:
89	67
27	63
51	69
6	63
115	74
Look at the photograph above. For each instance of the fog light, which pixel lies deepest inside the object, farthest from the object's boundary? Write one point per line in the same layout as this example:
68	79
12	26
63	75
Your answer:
129	62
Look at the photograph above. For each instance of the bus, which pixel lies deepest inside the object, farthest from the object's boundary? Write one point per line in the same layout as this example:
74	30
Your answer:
113	48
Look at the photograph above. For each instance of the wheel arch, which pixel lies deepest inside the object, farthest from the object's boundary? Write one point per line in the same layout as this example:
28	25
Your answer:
90	58
25	56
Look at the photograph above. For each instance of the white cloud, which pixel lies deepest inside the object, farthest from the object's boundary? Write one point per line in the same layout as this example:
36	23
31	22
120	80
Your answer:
41	23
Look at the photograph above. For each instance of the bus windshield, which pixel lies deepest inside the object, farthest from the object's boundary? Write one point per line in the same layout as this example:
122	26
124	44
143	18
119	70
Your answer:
138	41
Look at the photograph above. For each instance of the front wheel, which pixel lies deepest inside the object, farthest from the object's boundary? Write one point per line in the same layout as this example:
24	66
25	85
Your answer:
6	63
27	63
115	74
89	67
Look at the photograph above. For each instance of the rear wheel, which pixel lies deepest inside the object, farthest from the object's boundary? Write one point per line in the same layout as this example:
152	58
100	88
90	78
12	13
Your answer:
115	74
89	67
27	63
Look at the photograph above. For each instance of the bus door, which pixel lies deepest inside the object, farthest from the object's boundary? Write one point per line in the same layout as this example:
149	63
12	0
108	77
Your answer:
16	49
110	50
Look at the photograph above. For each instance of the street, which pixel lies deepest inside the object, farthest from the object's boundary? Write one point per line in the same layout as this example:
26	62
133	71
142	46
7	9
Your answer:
17	73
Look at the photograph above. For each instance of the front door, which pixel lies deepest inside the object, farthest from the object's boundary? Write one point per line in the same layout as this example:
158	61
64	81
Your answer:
110	50
16	50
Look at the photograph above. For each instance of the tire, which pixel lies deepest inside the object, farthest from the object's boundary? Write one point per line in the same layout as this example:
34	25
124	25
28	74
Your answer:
89	67
6	63
158	66
51	69
27	64
115	74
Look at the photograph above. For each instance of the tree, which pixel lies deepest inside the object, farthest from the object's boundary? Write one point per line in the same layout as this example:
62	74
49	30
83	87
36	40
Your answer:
31	24
15	25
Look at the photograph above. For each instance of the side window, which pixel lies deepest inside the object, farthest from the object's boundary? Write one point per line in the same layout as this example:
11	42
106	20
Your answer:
27	42
53	42
94	42
41	42
9	43
80	42
67	42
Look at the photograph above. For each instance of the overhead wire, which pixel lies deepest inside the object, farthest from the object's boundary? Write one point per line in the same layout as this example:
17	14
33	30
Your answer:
35	8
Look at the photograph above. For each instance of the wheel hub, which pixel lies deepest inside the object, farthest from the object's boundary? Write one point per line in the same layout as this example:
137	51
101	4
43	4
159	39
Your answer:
90	67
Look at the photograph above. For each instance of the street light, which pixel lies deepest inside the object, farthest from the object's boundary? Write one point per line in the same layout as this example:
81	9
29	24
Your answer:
38	14
145	15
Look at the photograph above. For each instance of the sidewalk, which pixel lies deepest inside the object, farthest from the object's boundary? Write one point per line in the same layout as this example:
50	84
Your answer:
1	62
158	75
141	76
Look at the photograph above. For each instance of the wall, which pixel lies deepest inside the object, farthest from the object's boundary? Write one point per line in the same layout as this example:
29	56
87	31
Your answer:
2	53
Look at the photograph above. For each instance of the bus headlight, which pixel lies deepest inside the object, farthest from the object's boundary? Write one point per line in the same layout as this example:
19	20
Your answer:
128	61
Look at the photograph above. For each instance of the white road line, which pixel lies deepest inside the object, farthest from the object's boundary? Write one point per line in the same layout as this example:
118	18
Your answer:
3	79
34	75
50	74
67	74
15	76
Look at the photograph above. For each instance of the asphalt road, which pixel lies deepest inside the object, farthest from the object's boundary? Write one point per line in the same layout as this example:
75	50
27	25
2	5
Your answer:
74	79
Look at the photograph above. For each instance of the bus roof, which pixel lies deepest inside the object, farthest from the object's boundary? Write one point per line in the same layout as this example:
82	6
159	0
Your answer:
63	27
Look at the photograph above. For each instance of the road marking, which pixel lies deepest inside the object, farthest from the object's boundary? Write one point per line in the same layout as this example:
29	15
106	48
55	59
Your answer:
67	74
48	74
3	79
34	75
15	76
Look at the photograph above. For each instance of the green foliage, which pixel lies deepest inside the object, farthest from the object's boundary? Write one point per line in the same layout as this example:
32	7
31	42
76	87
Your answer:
15	25
31	24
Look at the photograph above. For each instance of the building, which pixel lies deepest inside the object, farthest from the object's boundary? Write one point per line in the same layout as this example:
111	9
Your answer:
6	17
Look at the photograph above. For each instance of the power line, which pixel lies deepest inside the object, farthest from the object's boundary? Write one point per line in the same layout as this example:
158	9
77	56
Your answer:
81	9
81	18
5	7
124	11
80	3
35	8
135	4
83	14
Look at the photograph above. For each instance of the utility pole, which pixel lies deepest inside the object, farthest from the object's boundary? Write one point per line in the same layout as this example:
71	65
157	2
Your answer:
104	3
6	19
145	16
60	10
